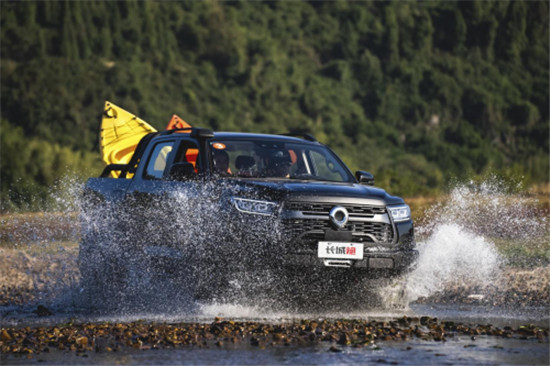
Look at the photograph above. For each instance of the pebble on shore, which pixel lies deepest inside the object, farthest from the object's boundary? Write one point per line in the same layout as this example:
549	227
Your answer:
108	337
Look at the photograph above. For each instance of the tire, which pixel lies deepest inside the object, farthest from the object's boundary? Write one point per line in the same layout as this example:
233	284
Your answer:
386	293
102	276
312	290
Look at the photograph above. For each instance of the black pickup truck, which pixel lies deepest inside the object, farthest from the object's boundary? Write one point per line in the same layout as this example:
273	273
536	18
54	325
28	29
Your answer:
191	200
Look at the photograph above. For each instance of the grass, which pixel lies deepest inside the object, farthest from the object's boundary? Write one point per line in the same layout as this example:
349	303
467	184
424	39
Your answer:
420	205
534	252
34	228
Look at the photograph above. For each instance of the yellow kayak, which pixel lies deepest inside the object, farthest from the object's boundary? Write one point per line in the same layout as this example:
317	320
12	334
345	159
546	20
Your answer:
120	133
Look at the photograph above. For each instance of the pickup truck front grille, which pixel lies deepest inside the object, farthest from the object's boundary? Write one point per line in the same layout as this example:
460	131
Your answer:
305	230
304	235
369	232
310	209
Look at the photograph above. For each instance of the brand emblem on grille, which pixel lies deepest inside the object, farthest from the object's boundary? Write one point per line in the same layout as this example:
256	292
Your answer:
339	216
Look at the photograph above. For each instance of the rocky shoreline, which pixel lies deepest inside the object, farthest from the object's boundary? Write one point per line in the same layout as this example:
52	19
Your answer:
112	337
515	288
25	275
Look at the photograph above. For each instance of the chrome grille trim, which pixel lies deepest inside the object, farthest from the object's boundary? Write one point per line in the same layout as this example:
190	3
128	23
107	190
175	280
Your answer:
314	209
304	235
305	224
373	232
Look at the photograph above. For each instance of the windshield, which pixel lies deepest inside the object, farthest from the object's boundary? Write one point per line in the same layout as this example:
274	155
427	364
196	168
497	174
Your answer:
276	159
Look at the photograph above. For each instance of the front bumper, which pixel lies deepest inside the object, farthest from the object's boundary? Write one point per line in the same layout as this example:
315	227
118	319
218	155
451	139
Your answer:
395	262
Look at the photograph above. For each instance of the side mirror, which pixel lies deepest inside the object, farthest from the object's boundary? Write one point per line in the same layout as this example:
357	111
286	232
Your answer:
364	177
182	171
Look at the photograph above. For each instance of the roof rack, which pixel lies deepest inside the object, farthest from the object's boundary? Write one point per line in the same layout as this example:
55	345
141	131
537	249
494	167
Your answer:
304	135
193	131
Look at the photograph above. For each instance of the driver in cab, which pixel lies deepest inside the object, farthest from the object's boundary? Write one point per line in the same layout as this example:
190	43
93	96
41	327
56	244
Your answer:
220	159
278	165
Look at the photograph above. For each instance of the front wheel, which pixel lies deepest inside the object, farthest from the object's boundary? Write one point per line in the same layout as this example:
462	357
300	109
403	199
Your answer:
102	277
385	293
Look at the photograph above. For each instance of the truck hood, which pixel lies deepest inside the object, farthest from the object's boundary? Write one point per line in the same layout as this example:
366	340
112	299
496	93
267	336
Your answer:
313	190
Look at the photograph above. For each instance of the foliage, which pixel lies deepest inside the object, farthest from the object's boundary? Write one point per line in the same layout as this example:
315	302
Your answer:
415	92
31	168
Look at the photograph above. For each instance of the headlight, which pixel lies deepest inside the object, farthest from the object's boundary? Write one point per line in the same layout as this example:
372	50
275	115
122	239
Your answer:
400	213
257	207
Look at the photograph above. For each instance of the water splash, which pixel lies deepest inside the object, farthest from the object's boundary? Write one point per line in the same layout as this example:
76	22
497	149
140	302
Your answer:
39	248
457	244
452	256
461	241
183	247
491	208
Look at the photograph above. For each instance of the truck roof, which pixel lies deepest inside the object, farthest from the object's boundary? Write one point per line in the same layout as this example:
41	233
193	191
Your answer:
296	136
261	136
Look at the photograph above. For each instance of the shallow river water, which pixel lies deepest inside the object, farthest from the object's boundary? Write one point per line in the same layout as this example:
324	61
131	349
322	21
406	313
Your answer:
456	349
462	351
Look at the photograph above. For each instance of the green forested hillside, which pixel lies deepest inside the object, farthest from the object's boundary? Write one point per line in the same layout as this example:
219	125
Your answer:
415	92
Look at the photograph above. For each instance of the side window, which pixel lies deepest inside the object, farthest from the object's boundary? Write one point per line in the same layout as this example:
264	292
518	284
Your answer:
157	161
326	167
188	152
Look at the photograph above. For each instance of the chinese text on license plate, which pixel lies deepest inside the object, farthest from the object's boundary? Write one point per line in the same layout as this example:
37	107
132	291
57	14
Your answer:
329	249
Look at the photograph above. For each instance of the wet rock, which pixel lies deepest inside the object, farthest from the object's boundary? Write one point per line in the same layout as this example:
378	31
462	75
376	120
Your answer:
277	337
109	337
42	311
5	337
404	321
82	341
344	339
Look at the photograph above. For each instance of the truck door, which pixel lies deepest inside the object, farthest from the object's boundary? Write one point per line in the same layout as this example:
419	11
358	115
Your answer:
155	177
156	195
